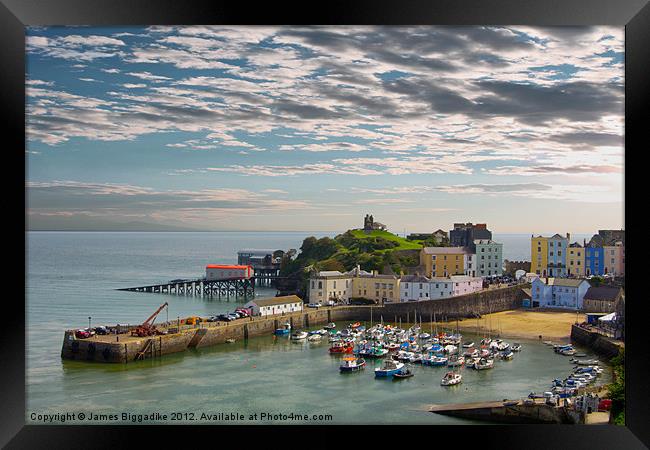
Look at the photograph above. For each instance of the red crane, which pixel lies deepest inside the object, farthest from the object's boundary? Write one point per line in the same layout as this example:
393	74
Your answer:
147	327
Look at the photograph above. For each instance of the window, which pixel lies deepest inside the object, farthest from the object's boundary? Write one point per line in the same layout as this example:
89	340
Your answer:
406	285
334	284
420	285
313	284
482	250
551	253
320	285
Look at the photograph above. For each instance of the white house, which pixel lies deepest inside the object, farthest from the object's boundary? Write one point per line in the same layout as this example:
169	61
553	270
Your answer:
489	260
417	287
559	292
461	284
414	288
275	305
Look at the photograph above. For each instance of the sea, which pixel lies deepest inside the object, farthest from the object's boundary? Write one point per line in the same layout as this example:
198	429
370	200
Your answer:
72	279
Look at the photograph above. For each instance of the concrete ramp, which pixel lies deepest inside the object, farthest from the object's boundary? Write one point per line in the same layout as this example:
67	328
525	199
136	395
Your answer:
197	337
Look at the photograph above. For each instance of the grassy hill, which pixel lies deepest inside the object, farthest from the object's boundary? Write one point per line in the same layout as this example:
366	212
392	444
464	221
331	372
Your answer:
403	244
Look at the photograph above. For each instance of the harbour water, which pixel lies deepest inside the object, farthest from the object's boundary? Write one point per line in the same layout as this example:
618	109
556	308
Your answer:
72	276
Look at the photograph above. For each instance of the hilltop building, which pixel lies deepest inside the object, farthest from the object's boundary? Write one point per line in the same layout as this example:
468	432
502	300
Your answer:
369	224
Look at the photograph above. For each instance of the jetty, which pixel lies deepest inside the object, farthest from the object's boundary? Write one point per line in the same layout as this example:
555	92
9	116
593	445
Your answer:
236	287
515	411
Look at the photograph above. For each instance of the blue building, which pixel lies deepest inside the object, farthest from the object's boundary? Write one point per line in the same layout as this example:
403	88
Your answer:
559	293
594	256
557	250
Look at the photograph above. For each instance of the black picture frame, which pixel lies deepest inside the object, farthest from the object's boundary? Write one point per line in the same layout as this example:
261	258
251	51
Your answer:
15	15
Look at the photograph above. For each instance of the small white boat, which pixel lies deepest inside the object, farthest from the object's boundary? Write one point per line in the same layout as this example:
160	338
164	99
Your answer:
472	352
507	355
230	341
483	364
388	368
516	347
468	345
299	335
352	364
424	336
330	326
456	361
451	378
314	337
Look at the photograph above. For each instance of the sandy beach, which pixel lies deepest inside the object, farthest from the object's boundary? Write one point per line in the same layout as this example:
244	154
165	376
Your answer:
551	325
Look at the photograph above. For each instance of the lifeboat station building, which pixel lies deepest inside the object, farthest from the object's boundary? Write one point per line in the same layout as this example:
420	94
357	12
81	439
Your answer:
275	305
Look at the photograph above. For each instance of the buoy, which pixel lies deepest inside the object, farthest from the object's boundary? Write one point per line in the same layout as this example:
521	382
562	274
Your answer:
254	366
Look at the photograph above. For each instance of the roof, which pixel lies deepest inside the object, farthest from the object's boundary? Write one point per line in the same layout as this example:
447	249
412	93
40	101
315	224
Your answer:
270	301
257	251
486	242
566	282
445	250
225	266
439	231
609	293
460	278
608	318
329	273
414	279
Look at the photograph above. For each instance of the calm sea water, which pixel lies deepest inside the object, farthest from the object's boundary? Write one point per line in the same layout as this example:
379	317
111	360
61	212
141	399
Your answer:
73	275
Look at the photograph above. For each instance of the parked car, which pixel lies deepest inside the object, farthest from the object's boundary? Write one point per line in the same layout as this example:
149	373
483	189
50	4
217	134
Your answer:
82	334
212	319
314	305
233	316
223	317
101	330
331	303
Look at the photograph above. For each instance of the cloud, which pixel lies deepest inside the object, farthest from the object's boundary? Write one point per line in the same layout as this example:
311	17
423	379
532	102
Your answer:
575	193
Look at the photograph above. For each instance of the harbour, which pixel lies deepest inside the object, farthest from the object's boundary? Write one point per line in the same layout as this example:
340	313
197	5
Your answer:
305	377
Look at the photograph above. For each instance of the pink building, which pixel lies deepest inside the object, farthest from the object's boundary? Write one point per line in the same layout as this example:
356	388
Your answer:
614	259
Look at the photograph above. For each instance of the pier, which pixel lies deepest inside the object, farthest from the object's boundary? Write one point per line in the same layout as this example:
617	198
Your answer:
237	287
536	411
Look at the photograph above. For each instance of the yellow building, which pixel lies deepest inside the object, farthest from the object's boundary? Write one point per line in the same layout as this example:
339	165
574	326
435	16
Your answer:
444	261
341	287
538	254
575	260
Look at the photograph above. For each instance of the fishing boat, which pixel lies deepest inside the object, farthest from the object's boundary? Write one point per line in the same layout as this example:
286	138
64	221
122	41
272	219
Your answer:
450	348
503	346
299	335
507	355
388	368
456	361
451	378
585	362
403	374
568	352
286	329
330	326
516	347
468	345
472	352
438	360
416	358
352	364
483	364
315	338
484	353
341	347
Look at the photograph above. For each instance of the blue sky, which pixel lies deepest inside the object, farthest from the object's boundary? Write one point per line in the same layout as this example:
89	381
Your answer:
310	128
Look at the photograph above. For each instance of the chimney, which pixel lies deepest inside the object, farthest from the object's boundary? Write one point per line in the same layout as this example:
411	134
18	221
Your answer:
568	236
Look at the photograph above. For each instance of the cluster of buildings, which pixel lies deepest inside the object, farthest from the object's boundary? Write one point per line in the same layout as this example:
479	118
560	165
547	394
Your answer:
472	253
574	294
555	256
443	272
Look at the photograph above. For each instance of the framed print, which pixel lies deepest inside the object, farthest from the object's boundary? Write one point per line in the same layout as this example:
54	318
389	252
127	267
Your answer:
273	220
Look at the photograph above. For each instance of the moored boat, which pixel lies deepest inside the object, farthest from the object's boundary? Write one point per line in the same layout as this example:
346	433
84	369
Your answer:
388	368
483	364
286	329
352	364
403	374
451	378
516	347
299	335
330	326
341	347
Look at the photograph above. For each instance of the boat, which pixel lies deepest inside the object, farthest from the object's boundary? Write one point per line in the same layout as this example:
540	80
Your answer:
450	348
389	368
451	378
416	358
468	345
438	360
230	341
286	329
516	347
568	352
503	346
585	362
549	343
456	361
355	325
341	347
424	336
403	374
472	352
330	326
511	403
483	364
299	335
352	364
507	355
315	338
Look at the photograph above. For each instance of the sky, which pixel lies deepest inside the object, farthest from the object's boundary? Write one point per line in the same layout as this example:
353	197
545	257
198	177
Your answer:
311	128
